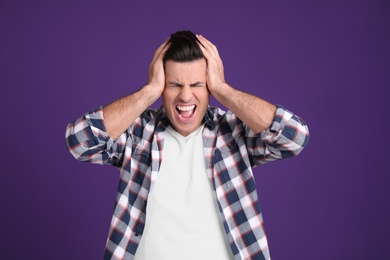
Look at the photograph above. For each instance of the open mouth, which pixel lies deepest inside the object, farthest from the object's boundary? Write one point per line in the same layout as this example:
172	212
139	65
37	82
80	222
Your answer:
186	112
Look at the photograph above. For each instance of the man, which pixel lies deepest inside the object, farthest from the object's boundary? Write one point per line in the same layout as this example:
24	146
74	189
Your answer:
187	165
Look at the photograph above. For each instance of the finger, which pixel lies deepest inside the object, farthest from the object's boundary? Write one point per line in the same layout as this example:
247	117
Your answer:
161	55
210	51
208	45
160	51
205	46
205	51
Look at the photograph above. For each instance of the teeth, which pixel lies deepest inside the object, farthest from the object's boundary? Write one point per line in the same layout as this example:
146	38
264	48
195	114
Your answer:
185	108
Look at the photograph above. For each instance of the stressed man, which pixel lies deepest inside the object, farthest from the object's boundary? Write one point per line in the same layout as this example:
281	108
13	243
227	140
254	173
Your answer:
186	188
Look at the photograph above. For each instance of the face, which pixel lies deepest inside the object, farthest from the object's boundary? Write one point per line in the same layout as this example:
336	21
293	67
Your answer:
186	96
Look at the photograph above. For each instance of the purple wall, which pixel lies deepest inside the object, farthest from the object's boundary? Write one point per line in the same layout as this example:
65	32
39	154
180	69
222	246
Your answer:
328	61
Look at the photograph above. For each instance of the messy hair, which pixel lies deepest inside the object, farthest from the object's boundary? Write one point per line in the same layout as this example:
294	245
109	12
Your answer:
183	47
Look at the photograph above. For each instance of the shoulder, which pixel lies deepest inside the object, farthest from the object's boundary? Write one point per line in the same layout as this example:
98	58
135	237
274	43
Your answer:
148	121
224	121
218	115
150	115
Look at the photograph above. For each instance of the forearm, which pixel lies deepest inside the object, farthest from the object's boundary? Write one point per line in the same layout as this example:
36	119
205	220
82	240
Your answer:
255	112
87	139
120	114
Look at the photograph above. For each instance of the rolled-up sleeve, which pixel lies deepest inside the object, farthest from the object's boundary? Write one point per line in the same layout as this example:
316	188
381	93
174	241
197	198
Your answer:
286	137
88	141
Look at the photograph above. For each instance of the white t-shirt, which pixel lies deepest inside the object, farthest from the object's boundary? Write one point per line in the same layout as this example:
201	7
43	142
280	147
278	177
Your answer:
182	219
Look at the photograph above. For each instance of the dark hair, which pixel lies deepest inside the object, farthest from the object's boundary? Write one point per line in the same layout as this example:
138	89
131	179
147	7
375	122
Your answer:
183	47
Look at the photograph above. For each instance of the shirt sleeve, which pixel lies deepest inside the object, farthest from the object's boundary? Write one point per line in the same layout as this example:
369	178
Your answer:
88	141
286	137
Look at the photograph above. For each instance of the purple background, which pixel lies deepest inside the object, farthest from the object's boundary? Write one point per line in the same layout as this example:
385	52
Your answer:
328	61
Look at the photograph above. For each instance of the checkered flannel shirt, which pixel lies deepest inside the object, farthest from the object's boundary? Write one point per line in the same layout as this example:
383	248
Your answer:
231	149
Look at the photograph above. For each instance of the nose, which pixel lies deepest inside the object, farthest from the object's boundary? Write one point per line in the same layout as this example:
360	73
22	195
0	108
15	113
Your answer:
185	94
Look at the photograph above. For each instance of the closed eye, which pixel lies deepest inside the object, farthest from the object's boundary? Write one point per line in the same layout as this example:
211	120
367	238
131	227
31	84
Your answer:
175	84
198	84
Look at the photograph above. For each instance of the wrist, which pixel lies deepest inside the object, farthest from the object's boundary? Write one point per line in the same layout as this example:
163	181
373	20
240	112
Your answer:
220	89
152	91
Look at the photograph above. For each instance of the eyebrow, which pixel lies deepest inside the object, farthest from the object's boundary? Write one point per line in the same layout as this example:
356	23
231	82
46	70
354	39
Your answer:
177	84
196	84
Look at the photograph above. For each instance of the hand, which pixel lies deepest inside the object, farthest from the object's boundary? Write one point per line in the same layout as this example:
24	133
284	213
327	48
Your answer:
214	73
156	77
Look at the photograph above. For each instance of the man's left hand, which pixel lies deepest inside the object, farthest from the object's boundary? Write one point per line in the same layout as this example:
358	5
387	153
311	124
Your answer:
214	73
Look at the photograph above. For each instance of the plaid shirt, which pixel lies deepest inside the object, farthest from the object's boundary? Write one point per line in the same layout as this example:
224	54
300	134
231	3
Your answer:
231	149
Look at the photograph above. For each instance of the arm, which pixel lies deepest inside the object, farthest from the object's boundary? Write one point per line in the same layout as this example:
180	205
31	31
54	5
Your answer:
100	136
119	115
87	140
274	133
255	112
287	136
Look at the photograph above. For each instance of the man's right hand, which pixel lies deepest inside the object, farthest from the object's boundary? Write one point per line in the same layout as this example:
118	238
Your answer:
156	77
120	114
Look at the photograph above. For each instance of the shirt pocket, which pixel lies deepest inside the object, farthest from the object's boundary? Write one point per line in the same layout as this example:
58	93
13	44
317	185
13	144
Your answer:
227	147
226	161
141	157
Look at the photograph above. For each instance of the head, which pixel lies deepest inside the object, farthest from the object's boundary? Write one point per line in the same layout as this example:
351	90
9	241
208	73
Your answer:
186	96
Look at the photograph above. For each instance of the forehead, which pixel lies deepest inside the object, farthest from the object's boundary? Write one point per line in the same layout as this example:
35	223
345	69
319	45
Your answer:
184	71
